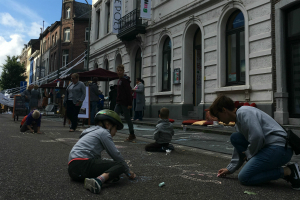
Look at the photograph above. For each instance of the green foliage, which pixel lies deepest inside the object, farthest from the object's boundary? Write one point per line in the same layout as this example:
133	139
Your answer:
12	73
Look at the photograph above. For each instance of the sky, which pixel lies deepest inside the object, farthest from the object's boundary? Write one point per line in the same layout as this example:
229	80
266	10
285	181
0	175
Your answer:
21	20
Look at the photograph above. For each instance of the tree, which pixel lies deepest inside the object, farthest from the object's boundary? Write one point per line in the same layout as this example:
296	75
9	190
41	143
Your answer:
12	73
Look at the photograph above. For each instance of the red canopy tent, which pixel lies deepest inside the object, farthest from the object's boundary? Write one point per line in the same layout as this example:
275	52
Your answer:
101	74
53	84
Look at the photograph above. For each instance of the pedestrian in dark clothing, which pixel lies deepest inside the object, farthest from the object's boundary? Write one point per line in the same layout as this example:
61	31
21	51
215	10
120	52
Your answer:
140	99
113	97
124	100
94	93
100	101
75	95
33	120
35	96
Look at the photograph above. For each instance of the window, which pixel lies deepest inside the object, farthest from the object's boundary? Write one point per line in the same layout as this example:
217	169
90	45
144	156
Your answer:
86	34
53	41
54	64
98	24
65	58
48	43
235	45
293	60
166	65
108	18
68	13
67	35
56	38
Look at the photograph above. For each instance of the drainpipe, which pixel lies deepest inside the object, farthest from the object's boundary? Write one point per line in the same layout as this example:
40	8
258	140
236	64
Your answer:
89	36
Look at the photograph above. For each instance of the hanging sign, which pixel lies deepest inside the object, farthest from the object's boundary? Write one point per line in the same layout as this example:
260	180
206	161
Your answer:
146	9
117	15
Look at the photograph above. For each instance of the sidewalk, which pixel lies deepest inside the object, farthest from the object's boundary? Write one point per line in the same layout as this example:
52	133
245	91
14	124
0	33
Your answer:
198	137
226	130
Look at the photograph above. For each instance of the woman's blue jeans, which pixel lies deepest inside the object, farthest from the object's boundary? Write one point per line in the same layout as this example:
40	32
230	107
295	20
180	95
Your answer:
265	166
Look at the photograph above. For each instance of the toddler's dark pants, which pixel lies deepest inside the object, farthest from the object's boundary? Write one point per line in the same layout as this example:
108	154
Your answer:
24	127
92	168
155	147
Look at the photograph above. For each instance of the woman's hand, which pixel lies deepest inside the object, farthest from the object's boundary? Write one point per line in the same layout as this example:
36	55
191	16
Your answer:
223	172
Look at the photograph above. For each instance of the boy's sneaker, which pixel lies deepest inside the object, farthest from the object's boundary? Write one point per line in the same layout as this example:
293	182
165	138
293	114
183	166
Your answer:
130	138
294	178
93	185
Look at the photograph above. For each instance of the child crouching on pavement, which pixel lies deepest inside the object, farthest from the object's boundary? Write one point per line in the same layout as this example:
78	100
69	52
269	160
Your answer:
85	163
33	120
163	133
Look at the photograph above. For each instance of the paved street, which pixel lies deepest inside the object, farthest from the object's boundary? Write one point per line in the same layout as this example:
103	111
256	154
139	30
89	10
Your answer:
34	166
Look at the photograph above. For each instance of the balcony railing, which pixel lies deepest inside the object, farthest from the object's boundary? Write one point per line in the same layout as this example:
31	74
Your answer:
131	25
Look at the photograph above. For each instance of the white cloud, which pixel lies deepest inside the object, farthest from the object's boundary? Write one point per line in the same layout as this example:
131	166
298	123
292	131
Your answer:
7	20
22	9
10	48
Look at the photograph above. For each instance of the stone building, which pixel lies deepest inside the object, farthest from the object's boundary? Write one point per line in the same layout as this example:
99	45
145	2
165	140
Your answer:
190	52
45	42
25	57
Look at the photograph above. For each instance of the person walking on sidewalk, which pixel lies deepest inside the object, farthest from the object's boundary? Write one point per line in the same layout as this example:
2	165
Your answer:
27	96
140	99
75	95
85	163
94	98
35	97
256	143
124	100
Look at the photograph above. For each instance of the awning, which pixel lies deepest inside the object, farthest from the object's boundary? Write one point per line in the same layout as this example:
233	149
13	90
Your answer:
101	74
53	84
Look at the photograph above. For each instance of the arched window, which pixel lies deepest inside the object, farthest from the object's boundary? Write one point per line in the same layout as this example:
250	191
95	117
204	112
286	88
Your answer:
293	60
67	35
68	13
96	66
138	64
166	65
235	45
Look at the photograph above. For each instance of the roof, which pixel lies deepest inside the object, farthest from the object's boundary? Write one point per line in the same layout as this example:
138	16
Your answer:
33	41
81	10
54	25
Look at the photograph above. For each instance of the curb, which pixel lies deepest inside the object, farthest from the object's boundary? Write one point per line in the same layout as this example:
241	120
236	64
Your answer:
205	129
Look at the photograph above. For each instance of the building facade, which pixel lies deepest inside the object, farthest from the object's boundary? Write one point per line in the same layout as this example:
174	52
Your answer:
26	57
192	51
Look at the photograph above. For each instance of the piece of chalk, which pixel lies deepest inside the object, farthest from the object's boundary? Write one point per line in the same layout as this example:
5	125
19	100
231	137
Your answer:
161	184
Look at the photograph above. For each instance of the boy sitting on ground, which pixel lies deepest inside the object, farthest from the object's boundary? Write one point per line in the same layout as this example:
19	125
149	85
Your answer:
163	133
85	163
33	120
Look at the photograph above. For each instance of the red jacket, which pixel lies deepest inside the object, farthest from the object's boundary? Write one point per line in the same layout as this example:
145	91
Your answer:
124	96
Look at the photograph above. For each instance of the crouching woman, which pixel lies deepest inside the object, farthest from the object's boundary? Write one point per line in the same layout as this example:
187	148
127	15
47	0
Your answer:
85	163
